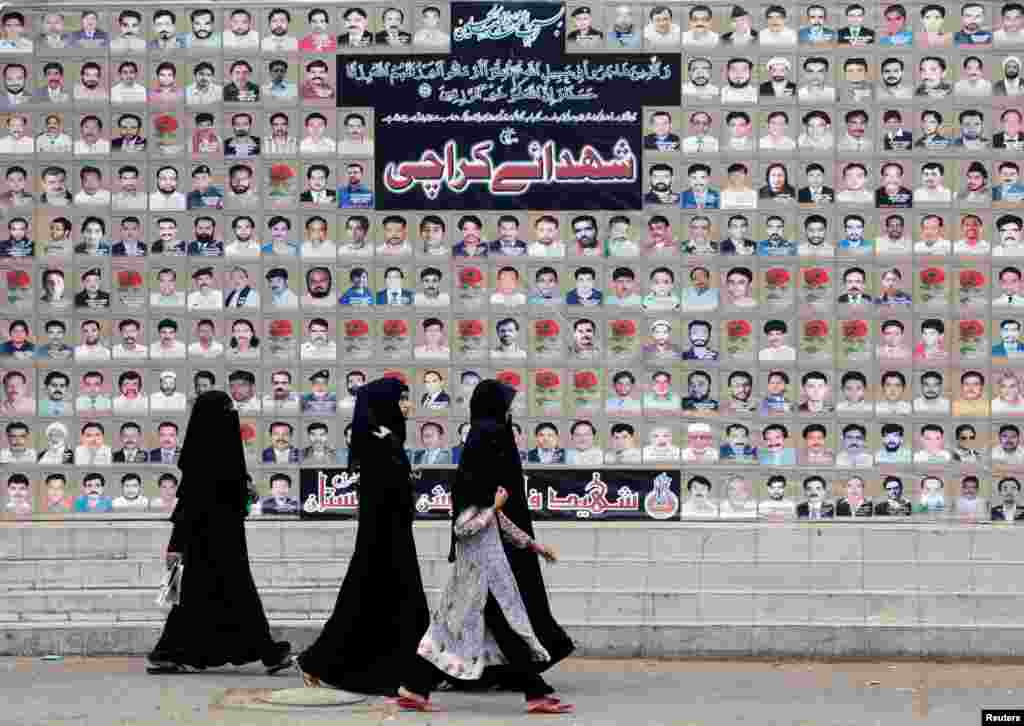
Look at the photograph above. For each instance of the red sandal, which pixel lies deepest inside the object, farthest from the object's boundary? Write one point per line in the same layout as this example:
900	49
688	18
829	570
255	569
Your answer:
409	701
549	705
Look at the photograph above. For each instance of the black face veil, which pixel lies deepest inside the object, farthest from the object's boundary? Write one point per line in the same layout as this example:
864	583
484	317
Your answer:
377	405
213	442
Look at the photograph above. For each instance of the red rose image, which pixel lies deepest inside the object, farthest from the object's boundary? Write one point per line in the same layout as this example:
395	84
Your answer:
280	328
815	329
356	328
471	328
933	276
280	173
777	277
18	279
971	329
624	328
546	328
248	432
129	278
738	329
816	276
166	124
547	379
395	328
971	279
585	380
470	276
397	375
855	329
509	378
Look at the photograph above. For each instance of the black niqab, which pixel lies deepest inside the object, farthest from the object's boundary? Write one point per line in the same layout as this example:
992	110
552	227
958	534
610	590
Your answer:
212	450
490	448
377	405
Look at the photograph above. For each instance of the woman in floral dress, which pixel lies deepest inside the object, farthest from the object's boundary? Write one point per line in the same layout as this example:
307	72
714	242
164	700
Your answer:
481	620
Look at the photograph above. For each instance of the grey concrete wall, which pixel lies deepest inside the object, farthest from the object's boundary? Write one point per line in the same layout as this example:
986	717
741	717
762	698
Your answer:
635	589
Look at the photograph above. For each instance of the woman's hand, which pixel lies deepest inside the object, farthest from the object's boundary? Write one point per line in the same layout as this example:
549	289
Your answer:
500	497
547	552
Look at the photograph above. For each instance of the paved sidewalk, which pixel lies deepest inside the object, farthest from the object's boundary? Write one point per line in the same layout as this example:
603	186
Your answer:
118	692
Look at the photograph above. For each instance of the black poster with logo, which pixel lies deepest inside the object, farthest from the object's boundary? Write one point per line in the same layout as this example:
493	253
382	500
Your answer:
509	120
585	494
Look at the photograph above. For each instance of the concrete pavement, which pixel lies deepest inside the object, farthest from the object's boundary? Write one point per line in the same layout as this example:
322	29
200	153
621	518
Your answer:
118	692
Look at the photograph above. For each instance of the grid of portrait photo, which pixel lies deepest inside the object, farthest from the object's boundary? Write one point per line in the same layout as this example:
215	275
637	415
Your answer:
816	313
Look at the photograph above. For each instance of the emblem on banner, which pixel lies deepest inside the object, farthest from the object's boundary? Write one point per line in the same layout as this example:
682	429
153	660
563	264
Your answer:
661	503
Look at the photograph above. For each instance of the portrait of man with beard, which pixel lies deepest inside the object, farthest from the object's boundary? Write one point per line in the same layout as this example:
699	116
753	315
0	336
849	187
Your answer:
738	74
659	177
699	86
585	230
241	186
90	87
319	284
278	40
15	86
205	243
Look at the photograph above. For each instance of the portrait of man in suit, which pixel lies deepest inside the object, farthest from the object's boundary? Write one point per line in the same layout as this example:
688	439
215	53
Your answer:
356	23
700	195
895	504
816	32
394	292
90	35
434	398
815	506
547	450
816	192
855	34
242	144
855	283
281	450
168	450
778	84
392	20
854	504
434	451
1011	136
131	440
280	501
1008	490
659	178
319	450
318	190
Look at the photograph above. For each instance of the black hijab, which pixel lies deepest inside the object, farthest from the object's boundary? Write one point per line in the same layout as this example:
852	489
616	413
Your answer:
490	458
212	449
376	406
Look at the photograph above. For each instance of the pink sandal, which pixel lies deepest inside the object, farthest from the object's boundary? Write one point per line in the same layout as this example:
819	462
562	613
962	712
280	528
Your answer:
409	701
549	705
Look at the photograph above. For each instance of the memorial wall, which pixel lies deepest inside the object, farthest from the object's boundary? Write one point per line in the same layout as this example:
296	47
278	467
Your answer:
740	261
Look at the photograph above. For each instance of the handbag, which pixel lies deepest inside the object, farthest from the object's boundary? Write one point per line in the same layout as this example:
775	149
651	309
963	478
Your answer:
170	588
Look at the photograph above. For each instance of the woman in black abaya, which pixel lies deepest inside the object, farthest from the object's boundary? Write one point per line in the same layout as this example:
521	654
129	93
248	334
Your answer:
220	618
381	611
525	564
